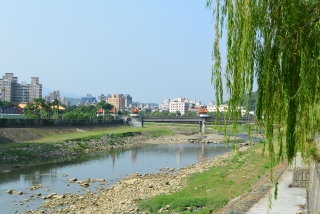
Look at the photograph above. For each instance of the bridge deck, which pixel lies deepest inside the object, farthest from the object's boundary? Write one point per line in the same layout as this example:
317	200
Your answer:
241	120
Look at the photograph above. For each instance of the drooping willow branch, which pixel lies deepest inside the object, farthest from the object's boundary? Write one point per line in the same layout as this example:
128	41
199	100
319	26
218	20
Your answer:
276	43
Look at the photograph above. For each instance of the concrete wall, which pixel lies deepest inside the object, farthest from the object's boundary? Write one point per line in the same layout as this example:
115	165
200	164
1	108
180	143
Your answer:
313	194
16	123
135	121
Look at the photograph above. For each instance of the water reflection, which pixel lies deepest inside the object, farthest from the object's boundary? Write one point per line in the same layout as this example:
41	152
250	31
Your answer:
179	155
110	166
133	155
202	156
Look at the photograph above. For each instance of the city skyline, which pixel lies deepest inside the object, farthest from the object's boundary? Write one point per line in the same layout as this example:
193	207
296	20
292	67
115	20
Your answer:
152	50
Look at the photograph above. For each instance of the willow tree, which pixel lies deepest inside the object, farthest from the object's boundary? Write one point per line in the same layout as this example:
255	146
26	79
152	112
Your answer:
276	43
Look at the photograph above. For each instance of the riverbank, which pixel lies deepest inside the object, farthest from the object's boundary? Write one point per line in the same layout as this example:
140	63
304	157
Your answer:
125	196
240	174
78	142
154	182
60	142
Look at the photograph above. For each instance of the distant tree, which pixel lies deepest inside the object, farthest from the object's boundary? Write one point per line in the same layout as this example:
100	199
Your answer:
56	104
106	106
165	113
190	113
29	111
6	104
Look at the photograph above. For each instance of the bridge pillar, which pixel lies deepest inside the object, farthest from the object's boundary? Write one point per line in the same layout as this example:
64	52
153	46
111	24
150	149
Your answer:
200	122
203	128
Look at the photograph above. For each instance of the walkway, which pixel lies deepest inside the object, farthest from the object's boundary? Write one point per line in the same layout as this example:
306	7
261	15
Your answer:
290	200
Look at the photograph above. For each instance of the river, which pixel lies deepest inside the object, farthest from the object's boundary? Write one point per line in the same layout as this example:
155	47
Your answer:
111	166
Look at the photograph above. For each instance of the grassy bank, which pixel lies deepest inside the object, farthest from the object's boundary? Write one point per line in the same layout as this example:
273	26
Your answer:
209	191
77	143
95	134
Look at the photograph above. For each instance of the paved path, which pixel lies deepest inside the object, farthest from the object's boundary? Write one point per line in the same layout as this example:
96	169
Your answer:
288	200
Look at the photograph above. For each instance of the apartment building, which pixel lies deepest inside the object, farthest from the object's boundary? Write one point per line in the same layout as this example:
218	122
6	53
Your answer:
52	96
35	89
56	95
102	97
127	100
165	105
117	100
15	92
178	104
89	99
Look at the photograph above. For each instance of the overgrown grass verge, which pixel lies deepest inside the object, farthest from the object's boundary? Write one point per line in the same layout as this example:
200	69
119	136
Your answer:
209	191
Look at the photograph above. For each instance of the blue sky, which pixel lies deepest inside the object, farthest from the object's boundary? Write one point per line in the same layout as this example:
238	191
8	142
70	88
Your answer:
152	50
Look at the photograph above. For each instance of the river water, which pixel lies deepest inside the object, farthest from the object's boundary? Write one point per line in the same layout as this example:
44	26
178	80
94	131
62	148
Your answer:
111	166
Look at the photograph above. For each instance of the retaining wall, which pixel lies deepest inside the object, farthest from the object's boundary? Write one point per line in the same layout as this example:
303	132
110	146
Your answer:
313	193
16	123
135	121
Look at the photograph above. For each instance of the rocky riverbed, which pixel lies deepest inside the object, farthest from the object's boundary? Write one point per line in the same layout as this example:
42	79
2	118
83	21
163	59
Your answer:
122	197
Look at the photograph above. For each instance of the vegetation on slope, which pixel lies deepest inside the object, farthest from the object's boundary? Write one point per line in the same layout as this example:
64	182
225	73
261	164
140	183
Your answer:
209	191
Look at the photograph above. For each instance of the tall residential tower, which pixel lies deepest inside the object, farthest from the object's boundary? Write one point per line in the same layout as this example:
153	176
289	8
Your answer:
12	91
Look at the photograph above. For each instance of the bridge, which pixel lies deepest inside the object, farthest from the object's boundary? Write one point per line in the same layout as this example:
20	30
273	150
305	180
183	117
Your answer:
199	120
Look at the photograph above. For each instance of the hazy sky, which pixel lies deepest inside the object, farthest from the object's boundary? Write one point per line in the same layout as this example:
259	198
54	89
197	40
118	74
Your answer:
152	50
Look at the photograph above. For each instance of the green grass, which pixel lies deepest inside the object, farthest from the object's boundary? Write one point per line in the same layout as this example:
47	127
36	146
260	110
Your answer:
96	134
211	190
49	142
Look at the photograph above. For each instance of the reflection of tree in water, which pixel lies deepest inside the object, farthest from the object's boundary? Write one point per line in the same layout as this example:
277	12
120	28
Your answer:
202	157
179	155
133	155
113	158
